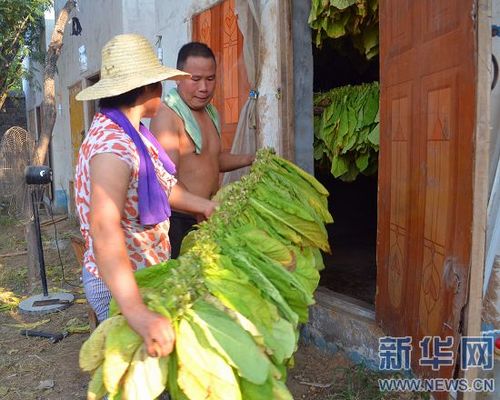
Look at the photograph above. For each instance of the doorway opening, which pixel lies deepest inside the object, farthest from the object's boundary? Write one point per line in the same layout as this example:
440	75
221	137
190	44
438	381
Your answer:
351	268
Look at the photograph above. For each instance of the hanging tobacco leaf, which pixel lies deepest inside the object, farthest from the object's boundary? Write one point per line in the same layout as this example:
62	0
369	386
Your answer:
357	19
346	134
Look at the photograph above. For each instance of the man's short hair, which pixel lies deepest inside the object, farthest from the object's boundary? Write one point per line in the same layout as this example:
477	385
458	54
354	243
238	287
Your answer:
193	49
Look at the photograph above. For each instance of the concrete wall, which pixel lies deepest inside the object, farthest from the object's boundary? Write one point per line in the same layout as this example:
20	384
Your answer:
268	109
303	85
33	91
338	322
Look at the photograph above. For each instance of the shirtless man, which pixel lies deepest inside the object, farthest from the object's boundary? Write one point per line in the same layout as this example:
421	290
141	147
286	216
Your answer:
187	127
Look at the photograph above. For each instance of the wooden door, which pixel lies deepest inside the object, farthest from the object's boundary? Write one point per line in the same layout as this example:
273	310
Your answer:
77	121
428	69
218	28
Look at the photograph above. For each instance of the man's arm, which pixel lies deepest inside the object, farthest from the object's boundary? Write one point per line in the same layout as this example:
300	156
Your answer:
183	200
164	126
230	162
109	178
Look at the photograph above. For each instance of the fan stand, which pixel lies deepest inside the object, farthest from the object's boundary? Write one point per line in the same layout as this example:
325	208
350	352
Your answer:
43	303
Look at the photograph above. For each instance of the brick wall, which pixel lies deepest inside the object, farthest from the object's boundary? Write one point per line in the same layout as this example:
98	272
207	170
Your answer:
13	113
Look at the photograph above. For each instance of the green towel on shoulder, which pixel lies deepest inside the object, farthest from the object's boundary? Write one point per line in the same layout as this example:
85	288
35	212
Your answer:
175	102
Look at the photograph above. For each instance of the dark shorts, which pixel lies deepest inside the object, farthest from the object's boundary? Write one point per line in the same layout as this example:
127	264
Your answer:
180	225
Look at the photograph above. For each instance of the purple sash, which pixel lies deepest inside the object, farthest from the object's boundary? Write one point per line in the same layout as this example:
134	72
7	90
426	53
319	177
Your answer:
153	202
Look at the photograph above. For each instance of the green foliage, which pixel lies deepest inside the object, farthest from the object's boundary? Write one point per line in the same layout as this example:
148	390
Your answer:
346	134
357	19
21	25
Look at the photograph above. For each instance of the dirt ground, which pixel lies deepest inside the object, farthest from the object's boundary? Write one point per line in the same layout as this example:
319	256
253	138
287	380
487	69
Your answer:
34	368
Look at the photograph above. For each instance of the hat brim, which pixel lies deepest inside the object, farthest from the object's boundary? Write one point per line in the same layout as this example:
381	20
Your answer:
109	87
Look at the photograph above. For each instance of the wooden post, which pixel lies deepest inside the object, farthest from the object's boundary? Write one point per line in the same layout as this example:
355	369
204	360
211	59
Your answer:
285	56
472	323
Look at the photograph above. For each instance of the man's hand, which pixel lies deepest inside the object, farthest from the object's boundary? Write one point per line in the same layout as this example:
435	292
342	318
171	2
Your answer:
210	208
156	330
250	159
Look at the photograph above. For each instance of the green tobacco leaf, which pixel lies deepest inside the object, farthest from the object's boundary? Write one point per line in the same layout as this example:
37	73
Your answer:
339	166
305	270
342	4
362	161
371	107
335	28
264	284
312	233
374	136
370	38
146	377
96	389
251	391
230	285
153	276
313	14
92	350
173	388
202	373
120	345
231	341
350	175
268	245
300	173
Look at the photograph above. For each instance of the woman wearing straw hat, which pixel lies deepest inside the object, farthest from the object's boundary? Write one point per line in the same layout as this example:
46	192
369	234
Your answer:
123	178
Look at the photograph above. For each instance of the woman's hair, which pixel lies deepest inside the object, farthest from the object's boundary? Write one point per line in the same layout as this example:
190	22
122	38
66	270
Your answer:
127	99
193	49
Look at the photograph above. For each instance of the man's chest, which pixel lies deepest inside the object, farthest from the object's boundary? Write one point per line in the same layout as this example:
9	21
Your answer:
210	140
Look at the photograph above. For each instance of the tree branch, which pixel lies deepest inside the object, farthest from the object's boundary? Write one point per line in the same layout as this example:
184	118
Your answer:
48	105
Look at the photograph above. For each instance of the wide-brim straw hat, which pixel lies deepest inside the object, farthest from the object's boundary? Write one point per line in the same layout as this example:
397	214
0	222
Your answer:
128	62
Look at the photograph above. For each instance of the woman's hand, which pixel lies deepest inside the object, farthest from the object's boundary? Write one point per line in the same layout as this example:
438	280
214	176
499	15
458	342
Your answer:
156	330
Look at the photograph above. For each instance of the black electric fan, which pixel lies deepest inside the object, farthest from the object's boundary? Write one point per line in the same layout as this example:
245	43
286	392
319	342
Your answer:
42	303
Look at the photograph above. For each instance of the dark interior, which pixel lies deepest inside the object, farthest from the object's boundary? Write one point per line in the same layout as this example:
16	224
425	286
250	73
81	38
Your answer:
351	268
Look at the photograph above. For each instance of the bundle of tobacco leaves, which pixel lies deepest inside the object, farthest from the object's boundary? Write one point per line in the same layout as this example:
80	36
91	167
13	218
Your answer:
236	294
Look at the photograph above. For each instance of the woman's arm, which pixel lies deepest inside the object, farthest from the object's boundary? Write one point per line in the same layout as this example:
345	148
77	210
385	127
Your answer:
109	177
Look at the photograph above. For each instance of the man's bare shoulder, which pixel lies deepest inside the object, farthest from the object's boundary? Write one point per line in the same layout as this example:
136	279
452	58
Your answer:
165	121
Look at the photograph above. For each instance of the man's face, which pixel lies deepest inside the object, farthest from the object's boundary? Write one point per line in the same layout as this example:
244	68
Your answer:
199	89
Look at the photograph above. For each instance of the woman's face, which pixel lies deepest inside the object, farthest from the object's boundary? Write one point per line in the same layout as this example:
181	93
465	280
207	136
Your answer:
152	99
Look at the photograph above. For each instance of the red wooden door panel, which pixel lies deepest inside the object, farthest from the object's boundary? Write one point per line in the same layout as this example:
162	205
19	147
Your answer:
427	62
217	27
